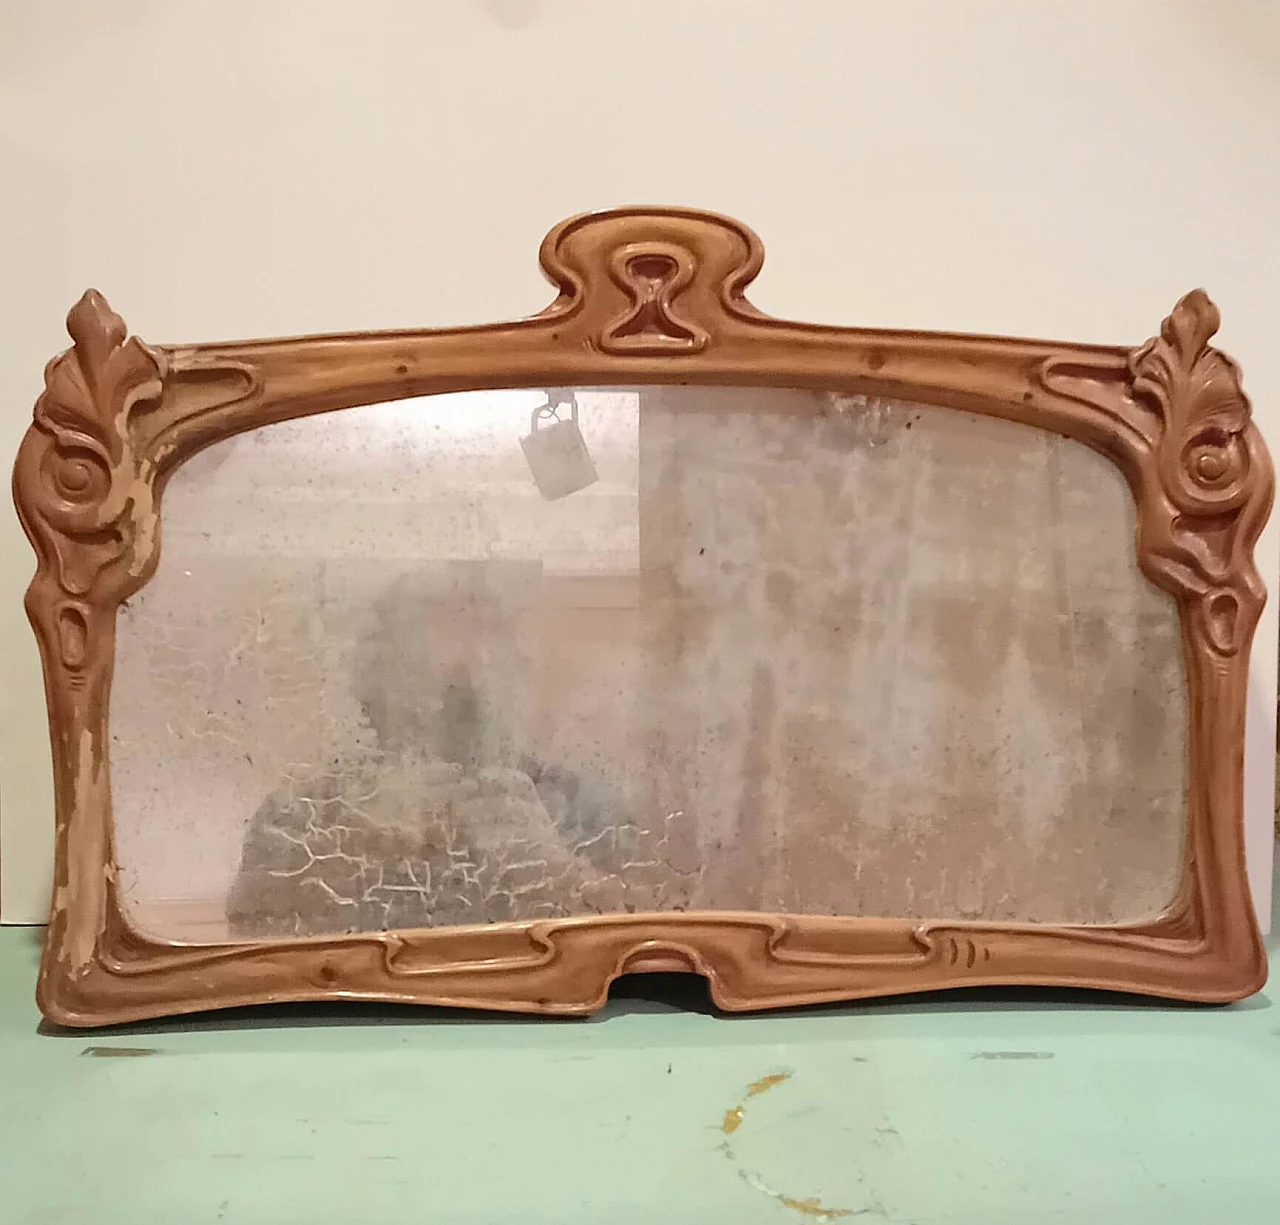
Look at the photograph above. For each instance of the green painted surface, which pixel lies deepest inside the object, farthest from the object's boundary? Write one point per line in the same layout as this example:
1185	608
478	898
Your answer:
1007	1108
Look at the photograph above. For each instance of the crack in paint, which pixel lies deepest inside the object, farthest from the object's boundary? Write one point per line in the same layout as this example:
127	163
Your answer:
810	1207
1013	1055
119	1052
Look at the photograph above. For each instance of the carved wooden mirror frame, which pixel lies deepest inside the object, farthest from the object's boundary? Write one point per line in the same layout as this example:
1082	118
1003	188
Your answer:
646	296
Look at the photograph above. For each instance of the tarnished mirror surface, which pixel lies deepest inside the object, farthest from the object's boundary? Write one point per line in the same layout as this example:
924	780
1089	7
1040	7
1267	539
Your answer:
775	650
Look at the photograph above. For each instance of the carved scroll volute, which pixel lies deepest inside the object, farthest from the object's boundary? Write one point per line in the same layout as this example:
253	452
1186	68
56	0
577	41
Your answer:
659	282
1214	483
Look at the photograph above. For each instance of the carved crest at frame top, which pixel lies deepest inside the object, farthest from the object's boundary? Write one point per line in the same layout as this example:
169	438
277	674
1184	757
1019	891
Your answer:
644	296
651	282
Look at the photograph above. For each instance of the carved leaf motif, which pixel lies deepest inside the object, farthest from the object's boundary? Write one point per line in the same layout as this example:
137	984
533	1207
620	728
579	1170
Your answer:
1204	457
90	389
86	469
1204	462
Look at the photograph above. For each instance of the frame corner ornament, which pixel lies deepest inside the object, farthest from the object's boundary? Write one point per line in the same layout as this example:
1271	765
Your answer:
1214	485
85	485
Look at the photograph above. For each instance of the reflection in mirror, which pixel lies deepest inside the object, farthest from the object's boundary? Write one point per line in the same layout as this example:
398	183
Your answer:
514	655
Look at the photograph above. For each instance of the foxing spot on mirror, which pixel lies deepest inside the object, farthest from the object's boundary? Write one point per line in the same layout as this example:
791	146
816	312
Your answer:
479	666
785	652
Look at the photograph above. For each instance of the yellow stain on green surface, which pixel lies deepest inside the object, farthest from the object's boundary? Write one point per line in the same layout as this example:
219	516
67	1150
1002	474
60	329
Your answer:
765	1083
812	1207
733	1118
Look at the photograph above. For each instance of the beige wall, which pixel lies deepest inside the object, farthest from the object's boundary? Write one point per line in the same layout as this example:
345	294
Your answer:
1062	169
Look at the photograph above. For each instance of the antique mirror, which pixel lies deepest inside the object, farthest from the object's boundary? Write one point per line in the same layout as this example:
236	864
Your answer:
480	666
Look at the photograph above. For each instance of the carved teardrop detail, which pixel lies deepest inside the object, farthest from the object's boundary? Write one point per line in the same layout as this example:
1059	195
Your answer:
73	635
1221	613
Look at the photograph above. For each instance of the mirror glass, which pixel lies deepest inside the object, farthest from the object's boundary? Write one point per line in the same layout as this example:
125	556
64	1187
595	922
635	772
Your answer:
513	655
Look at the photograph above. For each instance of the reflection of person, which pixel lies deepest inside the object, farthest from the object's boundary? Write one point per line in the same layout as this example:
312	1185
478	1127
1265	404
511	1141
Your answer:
442	822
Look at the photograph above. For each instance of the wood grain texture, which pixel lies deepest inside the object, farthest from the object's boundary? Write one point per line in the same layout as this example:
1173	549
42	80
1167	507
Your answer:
646	296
